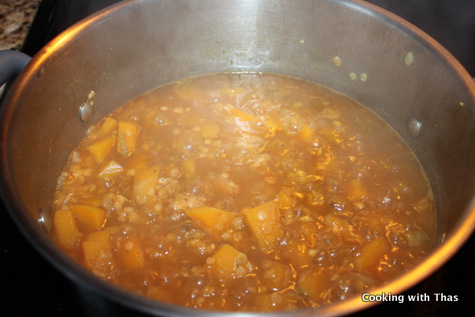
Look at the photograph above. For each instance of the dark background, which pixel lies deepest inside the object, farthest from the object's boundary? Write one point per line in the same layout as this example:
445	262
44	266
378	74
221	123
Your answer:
32	287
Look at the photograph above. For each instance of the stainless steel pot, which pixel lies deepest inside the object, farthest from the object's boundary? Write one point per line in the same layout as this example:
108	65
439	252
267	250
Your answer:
386	64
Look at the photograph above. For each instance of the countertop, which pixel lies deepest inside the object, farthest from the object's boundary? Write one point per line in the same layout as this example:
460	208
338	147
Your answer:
16	17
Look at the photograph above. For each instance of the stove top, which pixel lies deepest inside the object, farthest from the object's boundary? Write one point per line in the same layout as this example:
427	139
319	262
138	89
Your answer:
32	287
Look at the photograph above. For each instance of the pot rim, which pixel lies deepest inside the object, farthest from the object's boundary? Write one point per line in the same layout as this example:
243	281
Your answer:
463	230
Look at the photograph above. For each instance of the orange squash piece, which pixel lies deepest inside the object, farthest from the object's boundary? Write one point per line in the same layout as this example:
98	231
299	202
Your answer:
313	282
276	276
215	219
130	254
90	217
101	148
97	249
127	142
145	183
99	236
66	228
276	301
372	254
238	113
228	263
285	200
107	127
307	134
111	169
264	222
190	167
355	191
299	254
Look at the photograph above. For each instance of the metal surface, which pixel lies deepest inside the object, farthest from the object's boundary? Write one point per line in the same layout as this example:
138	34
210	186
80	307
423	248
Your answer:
296	38
414	127
11	63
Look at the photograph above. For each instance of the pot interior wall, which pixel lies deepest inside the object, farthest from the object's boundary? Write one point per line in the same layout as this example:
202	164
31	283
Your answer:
136	47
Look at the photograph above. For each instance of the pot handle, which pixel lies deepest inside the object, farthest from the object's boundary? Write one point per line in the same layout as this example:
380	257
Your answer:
11	63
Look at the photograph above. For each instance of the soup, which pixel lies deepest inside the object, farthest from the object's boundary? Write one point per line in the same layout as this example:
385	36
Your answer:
243	191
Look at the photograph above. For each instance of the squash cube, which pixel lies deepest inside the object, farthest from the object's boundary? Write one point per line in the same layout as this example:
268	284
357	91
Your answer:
145	183
90	217
215	219
285	199
276	276
355	191
228	263
264	222
190	167
130	254
127	142
97	249
238	113
66	228
276	301
307	134
299	254
112	168
313	283
101	148
107	127
372	254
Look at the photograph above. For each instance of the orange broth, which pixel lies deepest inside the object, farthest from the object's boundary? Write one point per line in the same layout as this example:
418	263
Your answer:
251	192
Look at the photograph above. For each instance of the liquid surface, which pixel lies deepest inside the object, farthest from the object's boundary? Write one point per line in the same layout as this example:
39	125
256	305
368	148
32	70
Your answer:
251	192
